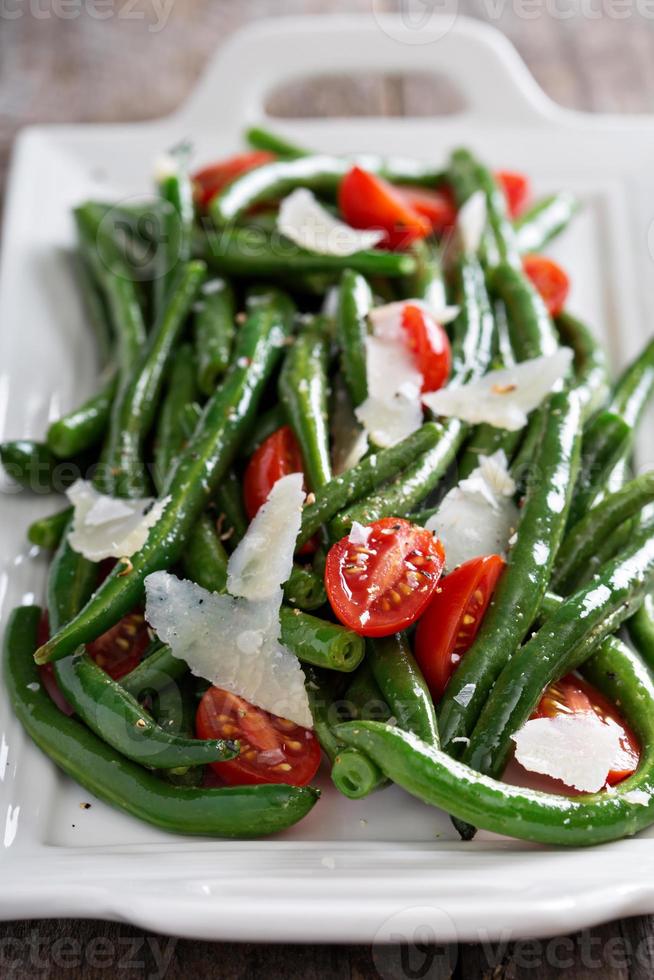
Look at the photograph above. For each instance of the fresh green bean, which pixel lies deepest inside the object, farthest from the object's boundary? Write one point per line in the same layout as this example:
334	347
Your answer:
305	589
177	216
242	811
34	467
170	435
205	558
95	308
319	642
635	387
263	139
641	630
545	220
582	541
530	325
84	426
591	369
320	173
467	175
363	698
303	387
214	326
354	305
254	253
229	500
403	686
154	673
521	588
604	443
197	475
46	532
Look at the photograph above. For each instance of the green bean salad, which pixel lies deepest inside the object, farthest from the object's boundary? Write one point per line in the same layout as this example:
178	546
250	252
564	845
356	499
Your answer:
355	489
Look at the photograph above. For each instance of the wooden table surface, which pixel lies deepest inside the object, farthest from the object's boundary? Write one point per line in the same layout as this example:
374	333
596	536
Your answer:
87	61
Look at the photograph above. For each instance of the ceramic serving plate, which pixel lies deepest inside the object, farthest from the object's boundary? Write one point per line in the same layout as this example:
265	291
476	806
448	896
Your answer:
381	869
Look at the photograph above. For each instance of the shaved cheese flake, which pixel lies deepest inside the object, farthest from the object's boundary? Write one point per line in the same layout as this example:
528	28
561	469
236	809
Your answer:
229	641
263	559
106	527
471	221
307	223
392	409
503	398
389	420
478	516
579	749
359	534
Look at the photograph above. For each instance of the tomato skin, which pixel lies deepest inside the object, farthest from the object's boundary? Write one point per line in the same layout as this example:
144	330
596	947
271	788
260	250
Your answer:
517	190
121	648
443	634
383	587
370	202
572	695
277	456
273	750
550	280
210	180
437	206
429	345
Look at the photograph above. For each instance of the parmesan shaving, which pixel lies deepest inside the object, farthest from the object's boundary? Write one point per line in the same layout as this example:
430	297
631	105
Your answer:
108	527
307	223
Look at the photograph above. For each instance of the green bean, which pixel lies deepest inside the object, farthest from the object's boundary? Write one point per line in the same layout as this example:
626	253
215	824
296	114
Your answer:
353	774
205	558
116	717
354	305
95	308
83	427
521	588
264	425
437	779
214	331
566	639
71	580
582	541
403	686
229	500
243	811
530	325
46	532
154	673
545	220
263	139
370	473
320	173
641	630
591	370
125	474
486	440
303	386
101	250
321	643
604	443
254	253
305	589
635	387
33	466
174	247
427	282
363	698
467	175
194	480
170	435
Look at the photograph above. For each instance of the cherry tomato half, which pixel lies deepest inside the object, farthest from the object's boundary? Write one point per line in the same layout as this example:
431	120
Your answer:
452	619
211	179
383	586
437	206
550	280
277	456
120	649
517	190
273	750
573	695
368	201
429	345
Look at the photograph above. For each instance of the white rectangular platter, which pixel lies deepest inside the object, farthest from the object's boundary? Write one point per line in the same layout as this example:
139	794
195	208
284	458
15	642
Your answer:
380	869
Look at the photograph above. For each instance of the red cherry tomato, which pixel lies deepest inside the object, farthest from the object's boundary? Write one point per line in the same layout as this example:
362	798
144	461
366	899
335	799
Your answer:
368	201
517	190
272	749
453	617
120	649
573	695
210	180
437	206
383	586
429	345
550	280
277	456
